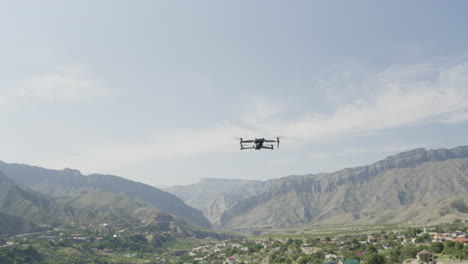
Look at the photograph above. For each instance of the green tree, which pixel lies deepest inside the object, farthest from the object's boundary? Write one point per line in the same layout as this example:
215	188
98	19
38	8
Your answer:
449	244
409	251
375	258
305	259
458	246
395	255
436	247
371	249
423	237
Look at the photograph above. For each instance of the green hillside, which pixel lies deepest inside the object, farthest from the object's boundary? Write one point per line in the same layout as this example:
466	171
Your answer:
68	182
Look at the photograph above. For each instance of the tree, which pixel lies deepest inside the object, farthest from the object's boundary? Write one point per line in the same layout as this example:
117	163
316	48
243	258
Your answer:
371	249
305	259
449	244
423	237
458	246
409	251
436	247
413	231
395	255
375	258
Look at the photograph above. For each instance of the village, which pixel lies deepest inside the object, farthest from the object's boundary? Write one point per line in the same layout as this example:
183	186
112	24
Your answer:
415	244
442	245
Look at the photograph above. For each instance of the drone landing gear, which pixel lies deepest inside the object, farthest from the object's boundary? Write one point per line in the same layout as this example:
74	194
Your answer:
242	147
268	147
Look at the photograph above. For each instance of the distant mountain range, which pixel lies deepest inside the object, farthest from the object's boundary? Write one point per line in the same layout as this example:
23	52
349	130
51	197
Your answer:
23	210
419	186
69	182
214	196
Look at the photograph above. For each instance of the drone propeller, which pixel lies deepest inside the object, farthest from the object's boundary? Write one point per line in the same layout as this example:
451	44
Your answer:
278	140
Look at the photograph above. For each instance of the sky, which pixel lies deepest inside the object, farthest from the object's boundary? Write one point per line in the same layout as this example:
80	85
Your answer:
158	91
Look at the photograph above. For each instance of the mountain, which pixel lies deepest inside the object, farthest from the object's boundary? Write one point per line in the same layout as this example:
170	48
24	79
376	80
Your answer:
94	207
12	225
21	207
23	210
214	196
68	181
204	192
23	203
440	210
400	180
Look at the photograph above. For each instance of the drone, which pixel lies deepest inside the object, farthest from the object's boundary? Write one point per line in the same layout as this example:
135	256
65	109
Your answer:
259	143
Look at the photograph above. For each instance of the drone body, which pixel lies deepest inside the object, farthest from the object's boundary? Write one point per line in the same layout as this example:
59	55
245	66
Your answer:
259	143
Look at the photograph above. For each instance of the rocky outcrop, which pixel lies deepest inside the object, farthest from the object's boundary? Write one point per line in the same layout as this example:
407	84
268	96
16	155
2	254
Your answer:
399	180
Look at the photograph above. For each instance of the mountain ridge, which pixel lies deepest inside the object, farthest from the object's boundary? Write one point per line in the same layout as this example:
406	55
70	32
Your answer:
69	181
396	181
23	210
314	198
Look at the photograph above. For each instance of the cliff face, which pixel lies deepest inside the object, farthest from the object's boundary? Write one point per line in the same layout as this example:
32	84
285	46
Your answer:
399	180
215	196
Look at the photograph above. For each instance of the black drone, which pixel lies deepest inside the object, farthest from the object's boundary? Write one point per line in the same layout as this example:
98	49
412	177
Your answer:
259	143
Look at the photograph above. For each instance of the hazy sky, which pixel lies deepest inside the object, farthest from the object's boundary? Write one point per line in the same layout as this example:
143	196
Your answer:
156	91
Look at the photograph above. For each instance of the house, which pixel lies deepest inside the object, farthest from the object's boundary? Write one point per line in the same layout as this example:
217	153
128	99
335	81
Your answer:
371	240
460	240
441	237
387	246
430	257
308	249
231	260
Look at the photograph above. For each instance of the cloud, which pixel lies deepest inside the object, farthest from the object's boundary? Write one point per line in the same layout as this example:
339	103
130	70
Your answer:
398	96
68	83
163	145
392	148
456	118
401	95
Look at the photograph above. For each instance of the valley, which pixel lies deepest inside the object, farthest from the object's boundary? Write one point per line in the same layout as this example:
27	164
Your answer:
408	202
